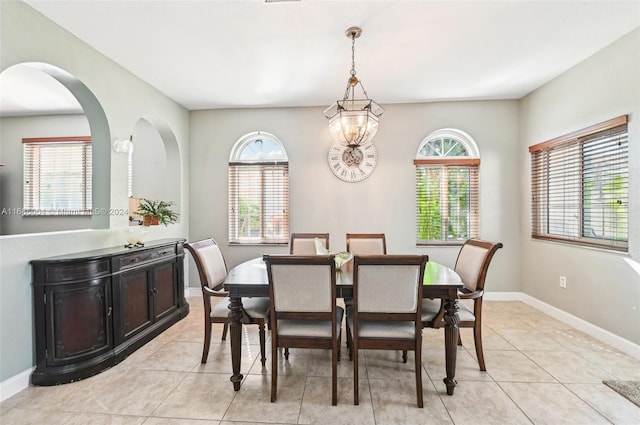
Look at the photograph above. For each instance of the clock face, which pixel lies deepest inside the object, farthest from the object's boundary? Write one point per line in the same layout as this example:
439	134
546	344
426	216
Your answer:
353	163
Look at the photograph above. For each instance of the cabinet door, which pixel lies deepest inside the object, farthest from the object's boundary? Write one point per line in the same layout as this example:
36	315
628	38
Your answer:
165	292
134	302
80	325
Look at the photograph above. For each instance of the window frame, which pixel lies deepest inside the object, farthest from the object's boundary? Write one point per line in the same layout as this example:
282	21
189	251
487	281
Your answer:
573	163
470	161
269	199
32	196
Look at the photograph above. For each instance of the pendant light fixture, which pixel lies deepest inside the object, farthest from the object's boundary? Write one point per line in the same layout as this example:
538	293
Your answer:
353	121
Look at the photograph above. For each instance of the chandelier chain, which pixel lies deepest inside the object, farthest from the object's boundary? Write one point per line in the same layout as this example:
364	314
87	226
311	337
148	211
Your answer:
363	90
350	90
353	53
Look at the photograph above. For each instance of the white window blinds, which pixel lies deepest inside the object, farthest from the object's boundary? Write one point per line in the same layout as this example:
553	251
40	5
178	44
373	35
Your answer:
580	187
57	176
447	200
259	202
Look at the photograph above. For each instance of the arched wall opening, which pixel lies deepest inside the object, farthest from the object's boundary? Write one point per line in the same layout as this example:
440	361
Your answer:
156	171
100	136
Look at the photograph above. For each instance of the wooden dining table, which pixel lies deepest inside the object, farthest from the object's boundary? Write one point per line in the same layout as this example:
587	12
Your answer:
249	279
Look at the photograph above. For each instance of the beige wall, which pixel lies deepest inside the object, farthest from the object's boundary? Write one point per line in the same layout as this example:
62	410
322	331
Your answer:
602	287
26	36
384	202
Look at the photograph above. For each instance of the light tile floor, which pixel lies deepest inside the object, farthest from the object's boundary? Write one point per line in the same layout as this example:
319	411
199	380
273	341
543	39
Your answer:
539	371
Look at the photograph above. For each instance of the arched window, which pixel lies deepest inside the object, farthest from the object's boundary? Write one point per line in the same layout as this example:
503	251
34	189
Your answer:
447	167
258	190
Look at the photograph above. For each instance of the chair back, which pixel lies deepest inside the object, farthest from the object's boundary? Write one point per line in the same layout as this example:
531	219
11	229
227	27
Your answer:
304	243
366	243
210	263
473	262
302	284
389	284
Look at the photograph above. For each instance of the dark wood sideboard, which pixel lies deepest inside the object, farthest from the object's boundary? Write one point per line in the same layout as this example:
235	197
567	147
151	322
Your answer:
93	309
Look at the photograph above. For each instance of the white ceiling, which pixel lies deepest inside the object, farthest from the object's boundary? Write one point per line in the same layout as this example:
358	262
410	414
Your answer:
248	53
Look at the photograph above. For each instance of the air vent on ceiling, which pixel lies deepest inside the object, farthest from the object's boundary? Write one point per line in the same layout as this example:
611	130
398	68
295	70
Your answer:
278	1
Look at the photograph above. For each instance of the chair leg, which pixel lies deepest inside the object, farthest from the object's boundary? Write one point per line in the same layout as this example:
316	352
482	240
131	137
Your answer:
263	357
354	352
404	356
459	339
286	353
224	330
349	343
207	341
477	339
418	355
274	368
339	346
334	372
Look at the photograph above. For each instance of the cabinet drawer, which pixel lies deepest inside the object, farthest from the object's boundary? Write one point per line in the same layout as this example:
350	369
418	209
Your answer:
65	272
141	257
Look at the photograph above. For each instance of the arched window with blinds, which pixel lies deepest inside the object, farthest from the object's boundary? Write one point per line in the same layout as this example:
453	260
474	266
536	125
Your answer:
258	191
447	180
580	187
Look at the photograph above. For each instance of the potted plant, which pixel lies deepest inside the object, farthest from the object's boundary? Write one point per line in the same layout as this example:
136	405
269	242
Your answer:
156	212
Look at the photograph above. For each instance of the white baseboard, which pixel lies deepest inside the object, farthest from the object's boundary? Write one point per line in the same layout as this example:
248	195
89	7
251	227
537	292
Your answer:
19	382
590	329
15	384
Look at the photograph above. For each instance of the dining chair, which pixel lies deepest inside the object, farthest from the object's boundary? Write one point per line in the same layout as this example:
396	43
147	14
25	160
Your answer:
304	243
303	309
212	269
472	265
387	316
366	243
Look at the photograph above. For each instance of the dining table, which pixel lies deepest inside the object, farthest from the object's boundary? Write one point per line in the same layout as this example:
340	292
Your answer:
249	279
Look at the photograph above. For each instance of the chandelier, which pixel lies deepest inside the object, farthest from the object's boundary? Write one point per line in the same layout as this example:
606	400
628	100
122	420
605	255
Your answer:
353	121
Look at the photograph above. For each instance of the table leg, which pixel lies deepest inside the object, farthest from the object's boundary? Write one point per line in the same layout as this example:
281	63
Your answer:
451	320
235	330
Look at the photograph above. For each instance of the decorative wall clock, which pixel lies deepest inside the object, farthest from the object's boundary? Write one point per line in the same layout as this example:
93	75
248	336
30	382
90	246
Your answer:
352	163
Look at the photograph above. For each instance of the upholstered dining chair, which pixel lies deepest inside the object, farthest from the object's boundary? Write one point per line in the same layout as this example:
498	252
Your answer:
472	265
366	243
212	269
303	309
304	243
387	316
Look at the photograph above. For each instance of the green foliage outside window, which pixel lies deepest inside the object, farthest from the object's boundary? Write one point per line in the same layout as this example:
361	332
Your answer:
436	207
248	218
458	211
602	201
429	214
